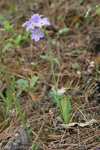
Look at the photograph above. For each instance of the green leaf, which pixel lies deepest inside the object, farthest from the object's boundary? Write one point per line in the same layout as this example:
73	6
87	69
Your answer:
25	38
5	48
66	105
75	66
98	11
59	118
30	89
40	73
6	24
10	40
16	42
77	24
19	92
55	98
78	3
48	58
77	50
33	81
11	26
54	3
2	29
22	83
33	63
62	31
60	16
21	59
87	13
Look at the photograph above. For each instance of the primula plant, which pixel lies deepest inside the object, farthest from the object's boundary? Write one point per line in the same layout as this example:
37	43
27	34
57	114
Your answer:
35	23
37	26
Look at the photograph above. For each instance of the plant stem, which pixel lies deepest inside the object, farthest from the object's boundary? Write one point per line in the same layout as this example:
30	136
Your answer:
52	64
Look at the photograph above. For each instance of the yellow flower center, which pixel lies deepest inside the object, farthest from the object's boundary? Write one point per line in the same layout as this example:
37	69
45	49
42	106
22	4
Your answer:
29	22
41	23
37	33
31	25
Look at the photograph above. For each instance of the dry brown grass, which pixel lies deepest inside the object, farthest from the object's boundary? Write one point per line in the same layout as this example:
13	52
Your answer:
42	123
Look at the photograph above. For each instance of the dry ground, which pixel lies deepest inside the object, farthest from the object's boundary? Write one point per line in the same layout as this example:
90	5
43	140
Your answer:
38	109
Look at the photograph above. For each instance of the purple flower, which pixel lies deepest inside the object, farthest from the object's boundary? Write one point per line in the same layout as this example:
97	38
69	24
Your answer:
35	18
43	22
35	23
36	34
25	24
29	25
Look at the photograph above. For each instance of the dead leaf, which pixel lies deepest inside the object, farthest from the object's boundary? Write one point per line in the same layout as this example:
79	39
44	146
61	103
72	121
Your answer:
92	121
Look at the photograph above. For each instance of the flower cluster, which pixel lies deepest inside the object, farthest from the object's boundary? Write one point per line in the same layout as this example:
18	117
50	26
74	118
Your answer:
35	23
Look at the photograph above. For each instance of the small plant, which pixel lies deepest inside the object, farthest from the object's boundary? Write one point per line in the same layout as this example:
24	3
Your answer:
75	65
89	10
8	98
7	27
36	23
11	96
62	31
48	58
27	85
16	41
64	105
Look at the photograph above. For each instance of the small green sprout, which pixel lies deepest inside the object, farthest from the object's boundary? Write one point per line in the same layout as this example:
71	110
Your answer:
33	63
21	59
7	27
16	41
27	85
62	31
22	83
88	13
89	10
48	58
75	65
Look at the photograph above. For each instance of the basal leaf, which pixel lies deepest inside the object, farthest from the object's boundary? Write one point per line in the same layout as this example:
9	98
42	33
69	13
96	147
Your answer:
33	81
22	83
66	105
6	24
